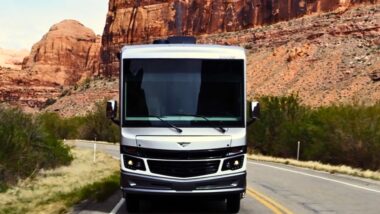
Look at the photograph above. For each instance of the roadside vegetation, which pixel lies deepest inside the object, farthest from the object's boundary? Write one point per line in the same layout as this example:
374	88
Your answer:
41	173
30	143
93	126
83	179
340	134
32	147
26	147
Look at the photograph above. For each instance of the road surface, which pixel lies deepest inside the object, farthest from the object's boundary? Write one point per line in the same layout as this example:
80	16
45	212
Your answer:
272	188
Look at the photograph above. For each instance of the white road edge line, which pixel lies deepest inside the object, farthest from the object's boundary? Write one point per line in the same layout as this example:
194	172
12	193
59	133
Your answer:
117	207
316	176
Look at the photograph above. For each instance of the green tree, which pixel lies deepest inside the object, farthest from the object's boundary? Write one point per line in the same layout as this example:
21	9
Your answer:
337	134
97	125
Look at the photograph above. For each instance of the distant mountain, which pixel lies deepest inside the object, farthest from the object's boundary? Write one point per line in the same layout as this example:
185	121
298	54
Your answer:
12	58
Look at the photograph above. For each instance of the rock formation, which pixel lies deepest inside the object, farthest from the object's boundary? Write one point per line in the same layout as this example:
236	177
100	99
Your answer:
18	88
81	101
140	21
325	59
68	53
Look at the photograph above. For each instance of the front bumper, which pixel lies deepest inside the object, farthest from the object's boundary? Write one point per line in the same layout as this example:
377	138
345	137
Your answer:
209	186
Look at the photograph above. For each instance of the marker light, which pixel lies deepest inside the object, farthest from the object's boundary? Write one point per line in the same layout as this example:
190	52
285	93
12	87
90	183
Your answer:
236	151
130	150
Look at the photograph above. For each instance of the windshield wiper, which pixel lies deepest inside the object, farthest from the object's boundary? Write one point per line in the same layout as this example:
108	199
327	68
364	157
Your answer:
167	123
219	128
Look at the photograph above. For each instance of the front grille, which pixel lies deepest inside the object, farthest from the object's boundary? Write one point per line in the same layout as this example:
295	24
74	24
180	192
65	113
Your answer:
183	169
183	155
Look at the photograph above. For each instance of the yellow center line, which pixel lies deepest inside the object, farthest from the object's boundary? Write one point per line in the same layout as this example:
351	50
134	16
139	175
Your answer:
274	206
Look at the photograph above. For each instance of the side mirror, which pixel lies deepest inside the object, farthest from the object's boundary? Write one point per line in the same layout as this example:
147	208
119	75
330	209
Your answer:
111	110
118	55
254	112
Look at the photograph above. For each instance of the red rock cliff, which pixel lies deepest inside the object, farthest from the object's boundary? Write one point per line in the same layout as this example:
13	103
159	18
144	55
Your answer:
140	21
68	53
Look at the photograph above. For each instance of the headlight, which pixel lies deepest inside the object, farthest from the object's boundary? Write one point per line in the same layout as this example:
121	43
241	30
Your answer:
233	163
133	163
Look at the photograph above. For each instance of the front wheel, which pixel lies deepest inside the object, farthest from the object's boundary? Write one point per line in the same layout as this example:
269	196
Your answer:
233	203
132	204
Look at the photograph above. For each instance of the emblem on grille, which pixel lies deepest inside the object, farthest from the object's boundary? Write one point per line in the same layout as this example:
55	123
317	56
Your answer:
184	144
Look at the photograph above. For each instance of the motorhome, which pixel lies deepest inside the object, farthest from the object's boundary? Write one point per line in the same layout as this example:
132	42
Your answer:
183	118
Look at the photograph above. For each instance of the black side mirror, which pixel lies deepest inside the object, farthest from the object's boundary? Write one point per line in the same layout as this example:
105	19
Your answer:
254	112
118	56
111	111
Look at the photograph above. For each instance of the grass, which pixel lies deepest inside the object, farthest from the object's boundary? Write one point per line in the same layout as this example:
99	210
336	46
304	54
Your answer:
55	191
342	169
98	191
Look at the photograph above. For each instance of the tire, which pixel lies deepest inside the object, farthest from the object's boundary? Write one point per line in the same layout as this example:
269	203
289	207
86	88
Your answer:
132	204
233	203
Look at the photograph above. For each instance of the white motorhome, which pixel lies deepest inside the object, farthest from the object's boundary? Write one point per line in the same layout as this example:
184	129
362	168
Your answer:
183	121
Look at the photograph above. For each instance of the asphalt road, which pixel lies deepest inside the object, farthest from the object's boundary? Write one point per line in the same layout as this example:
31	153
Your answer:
272	188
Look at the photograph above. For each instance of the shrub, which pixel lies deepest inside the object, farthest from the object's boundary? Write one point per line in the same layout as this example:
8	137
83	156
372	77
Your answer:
97	125
26	147
93	126
340	134
62	128
279	126
345	134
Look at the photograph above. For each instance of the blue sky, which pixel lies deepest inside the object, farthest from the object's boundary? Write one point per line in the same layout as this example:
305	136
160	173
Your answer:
24	22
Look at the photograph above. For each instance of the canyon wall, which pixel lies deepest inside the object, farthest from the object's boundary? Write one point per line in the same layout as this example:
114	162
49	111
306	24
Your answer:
141	21
325	58
331	58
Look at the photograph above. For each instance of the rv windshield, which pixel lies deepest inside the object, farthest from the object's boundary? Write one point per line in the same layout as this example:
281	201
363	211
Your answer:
179	90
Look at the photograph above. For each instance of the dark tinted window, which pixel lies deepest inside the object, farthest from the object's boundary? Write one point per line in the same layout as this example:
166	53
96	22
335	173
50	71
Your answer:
179	89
